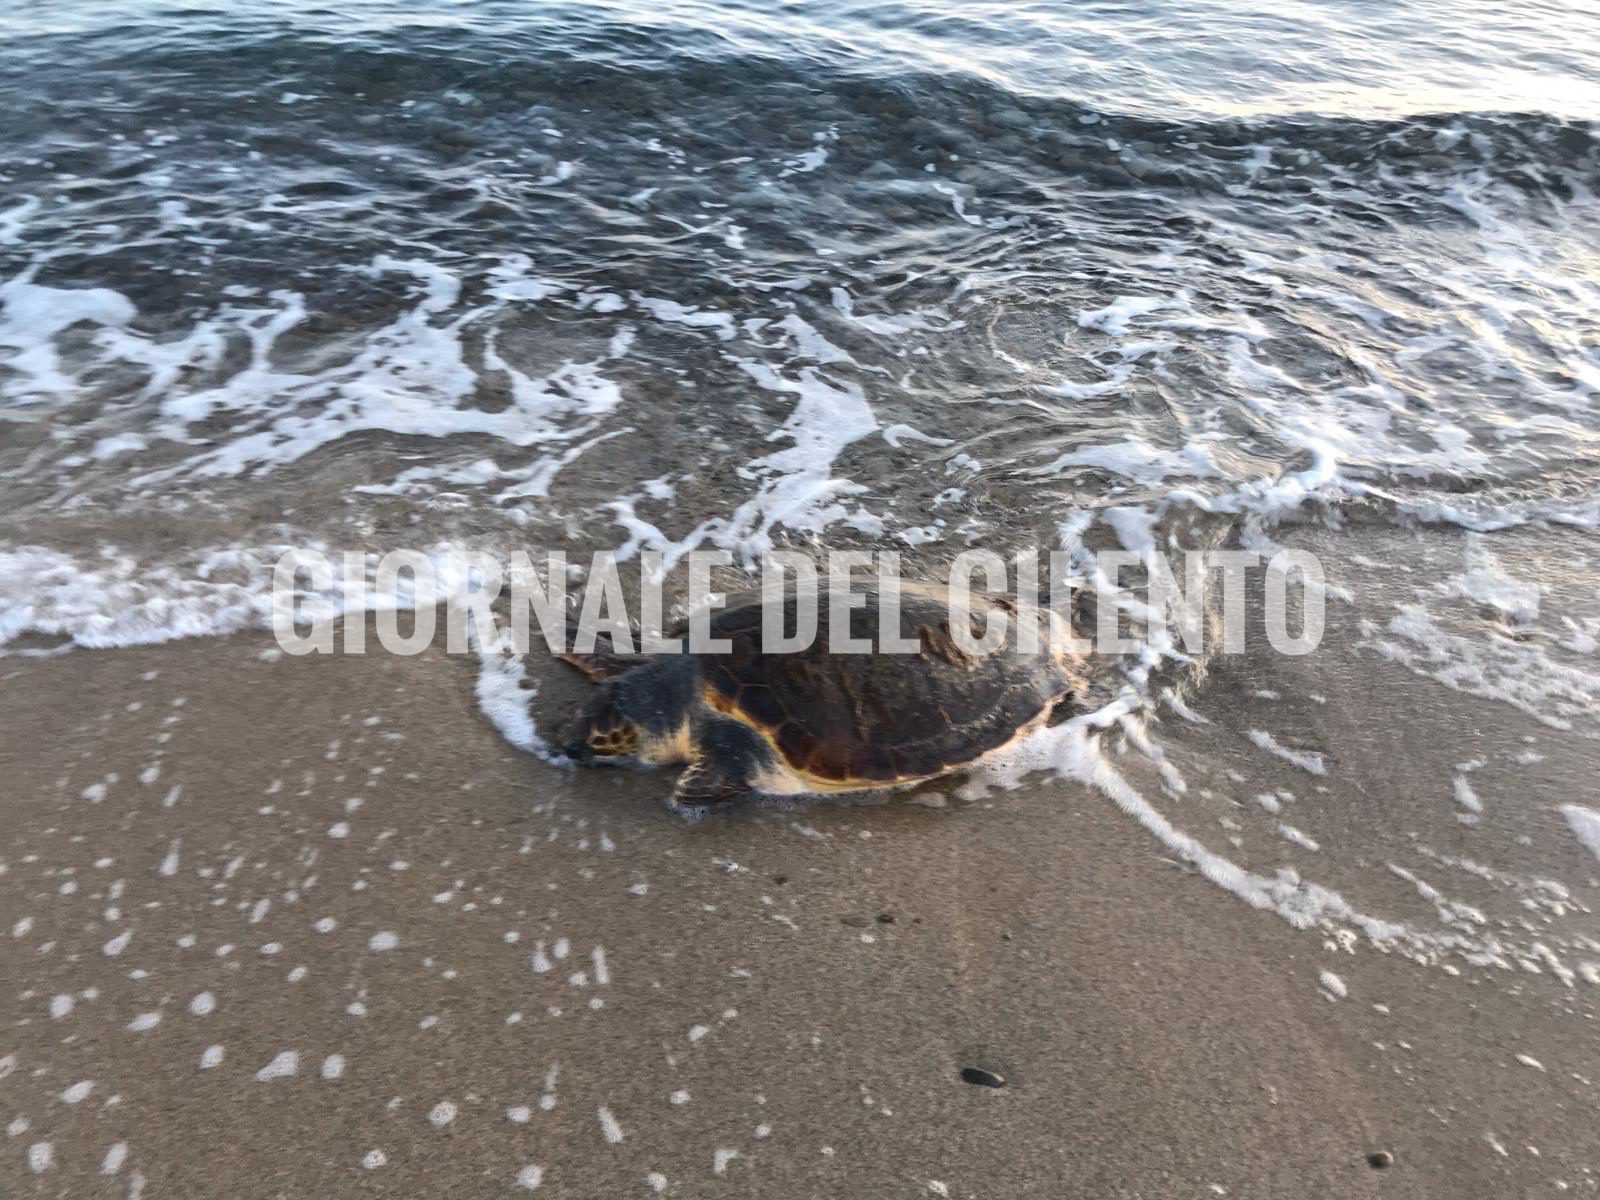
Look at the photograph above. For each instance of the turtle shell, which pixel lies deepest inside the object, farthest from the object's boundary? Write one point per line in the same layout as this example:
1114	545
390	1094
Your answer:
865	719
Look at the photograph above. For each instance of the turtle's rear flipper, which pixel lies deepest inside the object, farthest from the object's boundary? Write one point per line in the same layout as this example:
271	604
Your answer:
706	784
604	662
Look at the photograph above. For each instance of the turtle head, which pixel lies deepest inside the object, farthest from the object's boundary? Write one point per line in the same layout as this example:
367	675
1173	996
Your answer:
602	732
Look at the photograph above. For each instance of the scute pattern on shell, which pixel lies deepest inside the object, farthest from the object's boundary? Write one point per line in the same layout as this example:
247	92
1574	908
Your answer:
880	717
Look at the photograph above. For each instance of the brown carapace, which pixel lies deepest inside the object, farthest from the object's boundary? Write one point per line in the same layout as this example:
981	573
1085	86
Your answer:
820	719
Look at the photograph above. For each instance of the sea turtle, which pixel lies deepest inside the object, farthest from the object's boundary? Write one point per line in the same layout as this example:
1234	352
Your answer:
815	721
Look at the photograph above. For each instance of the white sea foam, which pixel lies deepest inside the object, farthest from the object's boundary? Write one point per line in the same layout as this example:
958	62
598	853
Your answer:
1140	461
510	281
1115	317
32	316
677	314
15	219
1585	825
1487	583
115	600
504	696
1116	378
1467	798
411	376
1291	834
796	487
1072	750
1520	674
1307	760
283	1066
893	324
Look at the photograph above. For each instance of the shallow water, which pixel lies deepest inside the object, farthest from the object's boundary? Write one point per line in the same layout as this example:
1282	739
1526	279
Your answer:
727	276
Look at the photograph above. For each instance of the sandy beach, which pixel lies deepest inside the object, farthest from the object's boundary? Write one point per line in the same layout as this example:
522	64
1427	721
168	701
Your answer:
281	927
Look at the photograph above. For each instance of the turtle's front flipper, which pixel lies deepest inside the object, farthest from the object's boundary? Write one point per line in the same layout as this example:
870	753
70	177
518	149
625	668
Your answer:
707	783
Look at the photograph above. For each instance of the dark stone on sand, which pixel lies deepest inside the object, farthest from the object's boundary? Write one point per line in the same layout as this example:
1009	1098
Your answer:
1380	1160
980	1077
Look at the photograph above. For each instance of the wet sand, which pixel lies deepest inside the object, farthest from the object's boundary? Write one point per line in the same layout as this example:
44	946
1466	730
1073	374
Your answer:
588	995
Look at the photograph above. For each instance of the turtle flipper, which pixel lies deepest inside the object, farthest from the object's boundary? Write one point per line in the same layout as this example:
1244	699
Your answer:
706	783
604	662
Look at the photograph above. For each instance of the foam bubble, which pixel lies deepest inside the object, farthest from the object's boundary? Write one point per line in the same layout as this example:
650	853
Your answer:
1585	825
1114	318
284	1065
1307	760
32	316
530	1177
